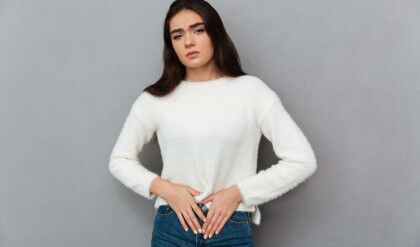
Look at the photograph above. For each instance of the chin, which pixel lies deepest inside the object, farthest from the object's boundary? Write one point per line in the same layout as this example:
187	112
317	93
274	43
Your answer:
194	64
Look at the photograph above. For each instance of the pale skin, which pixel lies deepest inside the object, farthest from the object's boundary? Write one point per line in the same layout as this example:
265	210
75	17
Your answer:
187	34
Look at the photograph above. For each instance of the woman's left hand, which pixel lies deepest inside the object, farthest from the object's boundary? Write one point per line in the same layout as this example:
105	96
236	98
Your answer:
224	203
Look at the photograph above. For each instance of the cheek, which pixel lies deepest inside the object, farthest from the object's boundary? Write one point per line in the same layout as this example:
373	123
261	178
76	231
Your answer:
207	41
179	52
207	46
177	48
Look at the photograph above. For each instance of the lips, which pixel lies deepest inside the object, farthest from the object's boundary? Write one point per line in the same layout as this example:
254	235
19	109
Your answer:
192	52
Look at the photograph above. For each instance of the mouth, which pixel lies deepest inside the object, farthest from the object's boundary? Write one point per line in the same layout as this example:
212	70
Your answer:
192	54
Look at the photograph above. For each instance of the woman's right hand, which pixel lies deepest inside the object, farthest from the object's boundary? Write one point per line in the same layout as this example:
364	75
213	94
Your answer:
181	199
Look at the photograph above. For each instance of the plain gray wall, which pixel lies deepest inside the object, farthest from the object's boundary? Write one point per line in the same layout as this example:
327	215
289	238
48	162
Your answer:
347	72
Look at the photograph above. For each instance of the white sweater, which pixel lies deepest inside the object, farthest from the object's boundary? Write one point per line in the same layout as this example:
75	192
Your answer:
209	134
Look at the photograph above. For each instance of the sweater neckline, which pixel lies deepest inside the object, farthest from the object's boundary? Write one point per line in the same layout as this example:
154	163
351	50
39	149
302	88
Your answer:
196	83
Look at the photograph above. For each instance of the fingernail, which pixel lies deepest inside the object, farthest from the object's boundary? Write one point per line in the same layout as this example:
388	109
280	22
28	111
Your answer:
205	236
210	235
217	232
199	230
186	229
195	231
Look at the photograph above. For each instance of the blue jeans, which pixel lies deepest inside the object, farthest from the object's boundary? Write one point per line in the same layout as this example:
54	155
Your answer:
168	231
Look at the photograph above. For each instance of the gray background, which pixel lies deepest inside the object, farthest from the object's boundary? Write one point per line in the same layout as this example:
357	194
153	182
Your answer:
347	72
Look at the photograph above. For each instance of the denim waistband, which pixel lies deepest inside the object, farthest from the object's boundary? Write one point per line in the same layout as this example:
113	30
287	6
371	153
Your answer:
166	208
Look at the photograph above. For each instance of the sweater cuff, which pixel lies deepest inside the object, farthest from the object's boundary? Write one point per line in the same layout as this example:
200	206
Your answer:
245	192
144	190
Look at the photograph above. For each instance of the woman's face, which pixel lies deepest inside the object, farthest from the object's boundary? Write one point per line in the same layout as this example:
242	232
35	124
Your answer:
188	33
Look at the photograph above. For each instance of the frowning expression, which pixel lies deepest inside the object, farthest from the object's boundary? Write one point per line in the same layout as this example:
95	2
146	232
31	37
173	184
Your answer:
190	40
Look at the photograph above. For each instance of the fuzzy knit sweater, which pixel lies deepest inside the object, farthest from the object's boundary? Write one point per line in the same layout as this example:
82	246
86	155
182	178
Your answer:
209	133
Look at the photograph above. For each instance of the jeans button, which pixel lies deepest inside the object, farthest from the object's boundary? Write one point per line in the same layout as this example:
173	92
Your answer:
204	207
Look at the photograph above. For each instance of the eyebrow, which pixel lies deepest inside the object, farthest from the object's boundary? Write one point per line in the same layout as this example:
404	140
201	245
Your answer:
191	26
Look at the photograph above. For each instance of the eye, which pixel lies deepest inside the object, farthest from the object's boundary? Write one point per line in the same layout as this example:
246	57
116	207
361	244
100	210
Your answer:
177	36
200	30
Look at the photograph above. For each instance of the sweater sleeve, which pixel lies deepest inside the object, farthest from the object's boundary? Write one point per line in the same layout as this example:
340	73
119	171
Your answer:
124	164
297	159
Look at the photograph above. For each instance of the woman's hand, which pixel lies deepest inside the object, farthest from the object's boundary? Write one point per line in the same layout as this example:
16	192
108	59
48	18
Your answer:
181	199
224	203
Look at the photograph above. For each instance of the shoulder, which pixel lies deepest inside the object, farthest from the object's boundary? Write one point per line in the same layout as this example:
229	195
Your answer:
144	108
145	99
144	103
263	97
259	88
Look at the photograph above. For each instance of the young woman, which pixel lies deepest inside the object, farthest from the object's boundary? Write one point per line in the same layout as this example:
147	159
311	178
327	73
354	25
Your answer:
208	116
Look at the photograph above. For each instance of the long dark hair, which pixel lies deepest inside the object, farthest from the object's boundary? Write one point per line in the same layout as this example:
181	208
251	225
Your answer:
225	55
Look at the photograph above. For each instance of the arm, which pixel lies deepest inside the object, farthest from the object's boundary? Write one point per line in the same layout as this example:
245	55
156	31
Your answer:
291	146
124	164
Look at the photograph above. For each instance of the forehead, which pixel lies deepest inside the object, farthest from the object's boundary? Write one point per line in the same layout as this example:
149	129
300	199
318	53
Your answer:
183	19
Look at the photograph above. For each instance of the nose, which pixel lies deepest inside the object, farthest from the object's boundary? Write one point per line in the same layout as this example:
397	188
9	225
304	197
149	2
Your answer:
188	38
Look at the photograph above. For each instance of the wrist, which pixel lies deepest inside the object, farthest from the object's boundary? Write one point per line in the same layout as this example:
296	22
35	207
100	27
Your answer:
159	186
237	192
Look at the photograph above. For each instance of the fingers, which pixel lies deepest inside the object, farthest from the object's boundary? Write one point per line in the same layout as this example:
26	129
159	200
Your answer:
216	225
207	199
188	220
211	220
195	225
216	222
181	219
186	213
185	218
198	211
188	217
193	191
221	225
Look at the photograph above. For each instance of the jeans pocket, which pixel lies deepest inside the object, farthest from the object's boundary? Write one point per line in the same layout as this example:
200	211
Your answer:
164	210
239	217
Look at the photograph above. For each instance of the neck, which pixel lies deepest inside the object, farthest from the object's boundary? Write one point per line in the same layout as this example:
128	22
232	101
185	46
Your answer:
203	73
